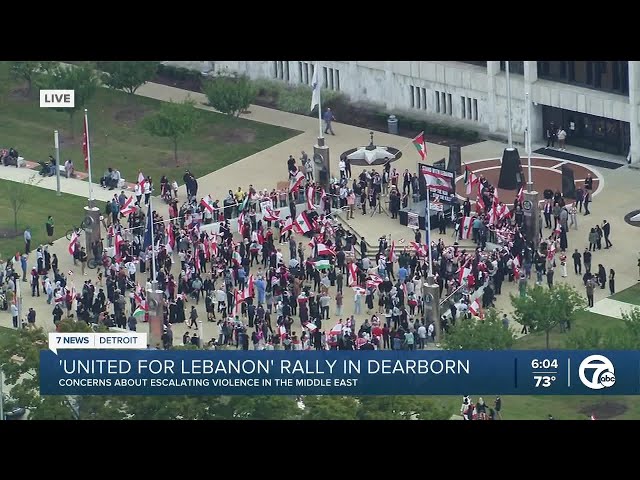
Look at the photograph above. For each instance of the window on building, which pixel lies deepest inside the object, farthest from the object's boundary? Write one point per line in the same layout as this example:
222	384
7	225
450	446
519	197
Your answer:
300	72
475	109
305	71
325	75
605	76
514	67
337	82
413	96
287	75
437	101
469	111
463	103
424	98
275	70
331	73
449	105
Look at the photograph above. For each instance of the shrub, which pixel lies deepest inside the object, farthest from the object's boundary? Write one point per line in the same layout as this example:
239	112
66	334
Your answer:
230	93
268	88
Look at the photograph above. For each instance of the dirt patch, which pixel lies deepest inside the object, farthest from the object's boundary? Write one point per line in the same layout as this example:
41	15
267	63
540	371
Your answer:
233	136
604	410
131	115
8	233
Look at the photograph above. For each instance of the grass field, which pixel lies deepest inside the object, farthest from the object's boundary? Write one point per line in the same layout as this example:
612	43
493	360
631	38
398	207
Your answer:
629	295
118	138
67	211
538	407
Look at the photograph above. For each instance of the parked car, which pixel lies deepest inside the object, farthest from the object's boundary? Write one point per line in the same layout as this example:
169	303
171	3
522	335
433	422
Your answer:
11	410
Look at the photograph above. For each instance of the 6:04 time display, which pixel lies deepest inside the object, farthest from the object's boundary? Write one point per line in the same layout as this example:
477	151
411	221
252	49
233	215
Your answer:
544	363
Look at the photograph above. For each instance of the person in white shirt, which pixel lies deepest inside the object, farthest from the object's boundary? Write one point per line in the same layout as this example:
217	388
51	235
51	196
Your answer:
422	336
131	269
138	193
147	191
343	169
431	332
562	136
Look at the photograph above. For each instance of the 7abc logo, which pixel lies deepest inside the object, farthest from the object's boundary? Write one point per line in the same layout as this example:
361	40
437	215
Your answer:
603	375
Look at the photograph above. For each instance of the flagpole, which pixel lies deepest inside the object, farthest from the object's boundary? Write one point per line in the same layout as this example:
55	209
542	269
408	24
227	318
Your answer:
153	244
320	132
428	214
86	126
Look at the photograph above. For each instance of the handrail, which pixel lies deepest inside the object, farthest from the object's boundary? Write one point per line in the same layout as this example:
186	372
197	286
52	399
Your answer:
452	294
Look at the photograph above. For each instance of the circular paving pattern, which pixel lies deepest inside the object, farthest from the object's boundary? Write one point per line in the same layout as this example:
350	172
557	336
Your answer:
546	172
633	218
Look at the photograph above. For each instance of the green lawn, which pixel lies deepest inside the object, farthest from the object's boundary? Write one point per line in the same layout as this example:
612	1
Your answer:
118	138
67	211
538	407
629	295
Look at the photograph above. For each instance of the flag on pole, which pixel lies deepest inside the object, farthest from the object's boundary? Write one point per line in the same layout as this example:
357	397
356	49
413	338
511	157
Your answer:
148	231
296	180
139	312
205	203
129	207
85	144
470	180
476	309
270	215
288	225
322	264
303	224
311	195
421	147
72	243
171	238
467	225
392	251
437	181
141	181
353	274
315	85
520	196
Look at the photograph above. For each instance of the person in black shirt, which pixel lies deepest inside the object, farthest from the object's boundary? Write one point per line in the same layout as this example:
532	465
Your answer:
577	262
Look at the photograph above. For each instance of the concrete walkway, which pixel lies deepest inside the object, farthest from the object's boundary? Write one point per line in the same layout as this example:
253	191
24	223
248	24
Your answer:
612	308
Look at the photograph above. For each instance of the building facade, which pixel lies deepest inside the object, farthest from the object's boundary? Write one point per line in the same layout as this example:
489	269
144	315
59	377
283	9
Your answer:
595	102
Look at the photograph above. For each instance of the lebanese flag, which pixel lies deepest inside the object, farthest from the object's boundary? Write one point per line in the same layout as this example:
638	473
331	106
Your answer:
516	267
310	326
129	207
374	280
476	309
141	181
311	195
296	181
288	225
437	181
337	329
248	290
480	206
503	211
72	244
240	222
467	226
283	331
420	250
237	259
171	238
85	144
303	225
520	196
207	248
420	145
463	272
205	203
117	242
392	251
551	252
324	250
271	215
214	247
196	254
353	274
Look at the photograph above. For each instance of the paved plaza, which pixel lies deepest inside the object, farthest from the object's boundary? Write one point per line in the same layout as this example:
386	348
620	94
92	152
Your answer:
614	198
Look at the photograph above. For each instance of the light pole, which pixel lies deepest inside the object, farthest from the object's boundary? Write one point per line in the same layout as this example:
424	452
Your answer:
510	133
1	396
527	102
56	143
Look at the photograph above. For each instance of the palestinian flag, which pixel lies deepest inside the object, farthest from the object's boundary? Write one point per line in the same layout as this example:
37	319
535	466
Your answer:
245	203
322	264
139	312
421	147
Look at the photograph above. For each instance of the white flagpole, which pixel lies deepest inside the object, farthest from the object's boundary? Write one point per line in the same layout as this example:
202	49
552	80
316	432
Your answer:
317	72
153	244
86	123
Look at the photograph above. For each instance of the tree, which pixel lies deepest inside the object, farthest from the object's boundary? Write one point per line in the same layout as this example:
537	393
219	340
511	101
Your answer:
127	76
400	407
264	408
330	408
17	195
81	79
27	71
486	334
624	337
543	309
173	121
230	93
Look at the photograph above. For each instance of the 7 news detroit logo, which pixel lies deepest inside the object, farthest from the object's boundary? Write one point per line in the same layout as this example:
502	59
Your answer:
597	372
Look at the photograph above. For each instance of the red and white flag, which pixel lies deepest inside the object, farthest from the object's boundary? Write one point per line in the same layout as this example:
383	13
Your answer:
520	196
117	242
437	181
476	309
324	250
466	227
141	181
296	180
420	250
270	215
288	225
171	238
353	274
72	244
129	207
463	273
240	222
311	195
392	251
420	145
303	224
283	331
205	202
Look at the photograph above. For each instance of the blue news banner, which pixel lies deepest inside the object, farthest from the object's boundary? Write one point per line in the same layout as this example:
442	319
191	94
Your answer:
189	372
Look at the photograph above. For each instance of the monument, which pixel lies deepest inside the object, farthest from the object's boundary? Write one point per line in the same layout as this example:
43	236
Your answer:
431	299
371	154
321	164
91	225
511	177
455	159
568	182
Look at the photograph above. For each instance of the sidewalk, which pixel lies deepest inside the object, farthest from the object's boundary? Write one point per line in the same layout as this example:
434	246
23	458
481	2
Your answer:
612	308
